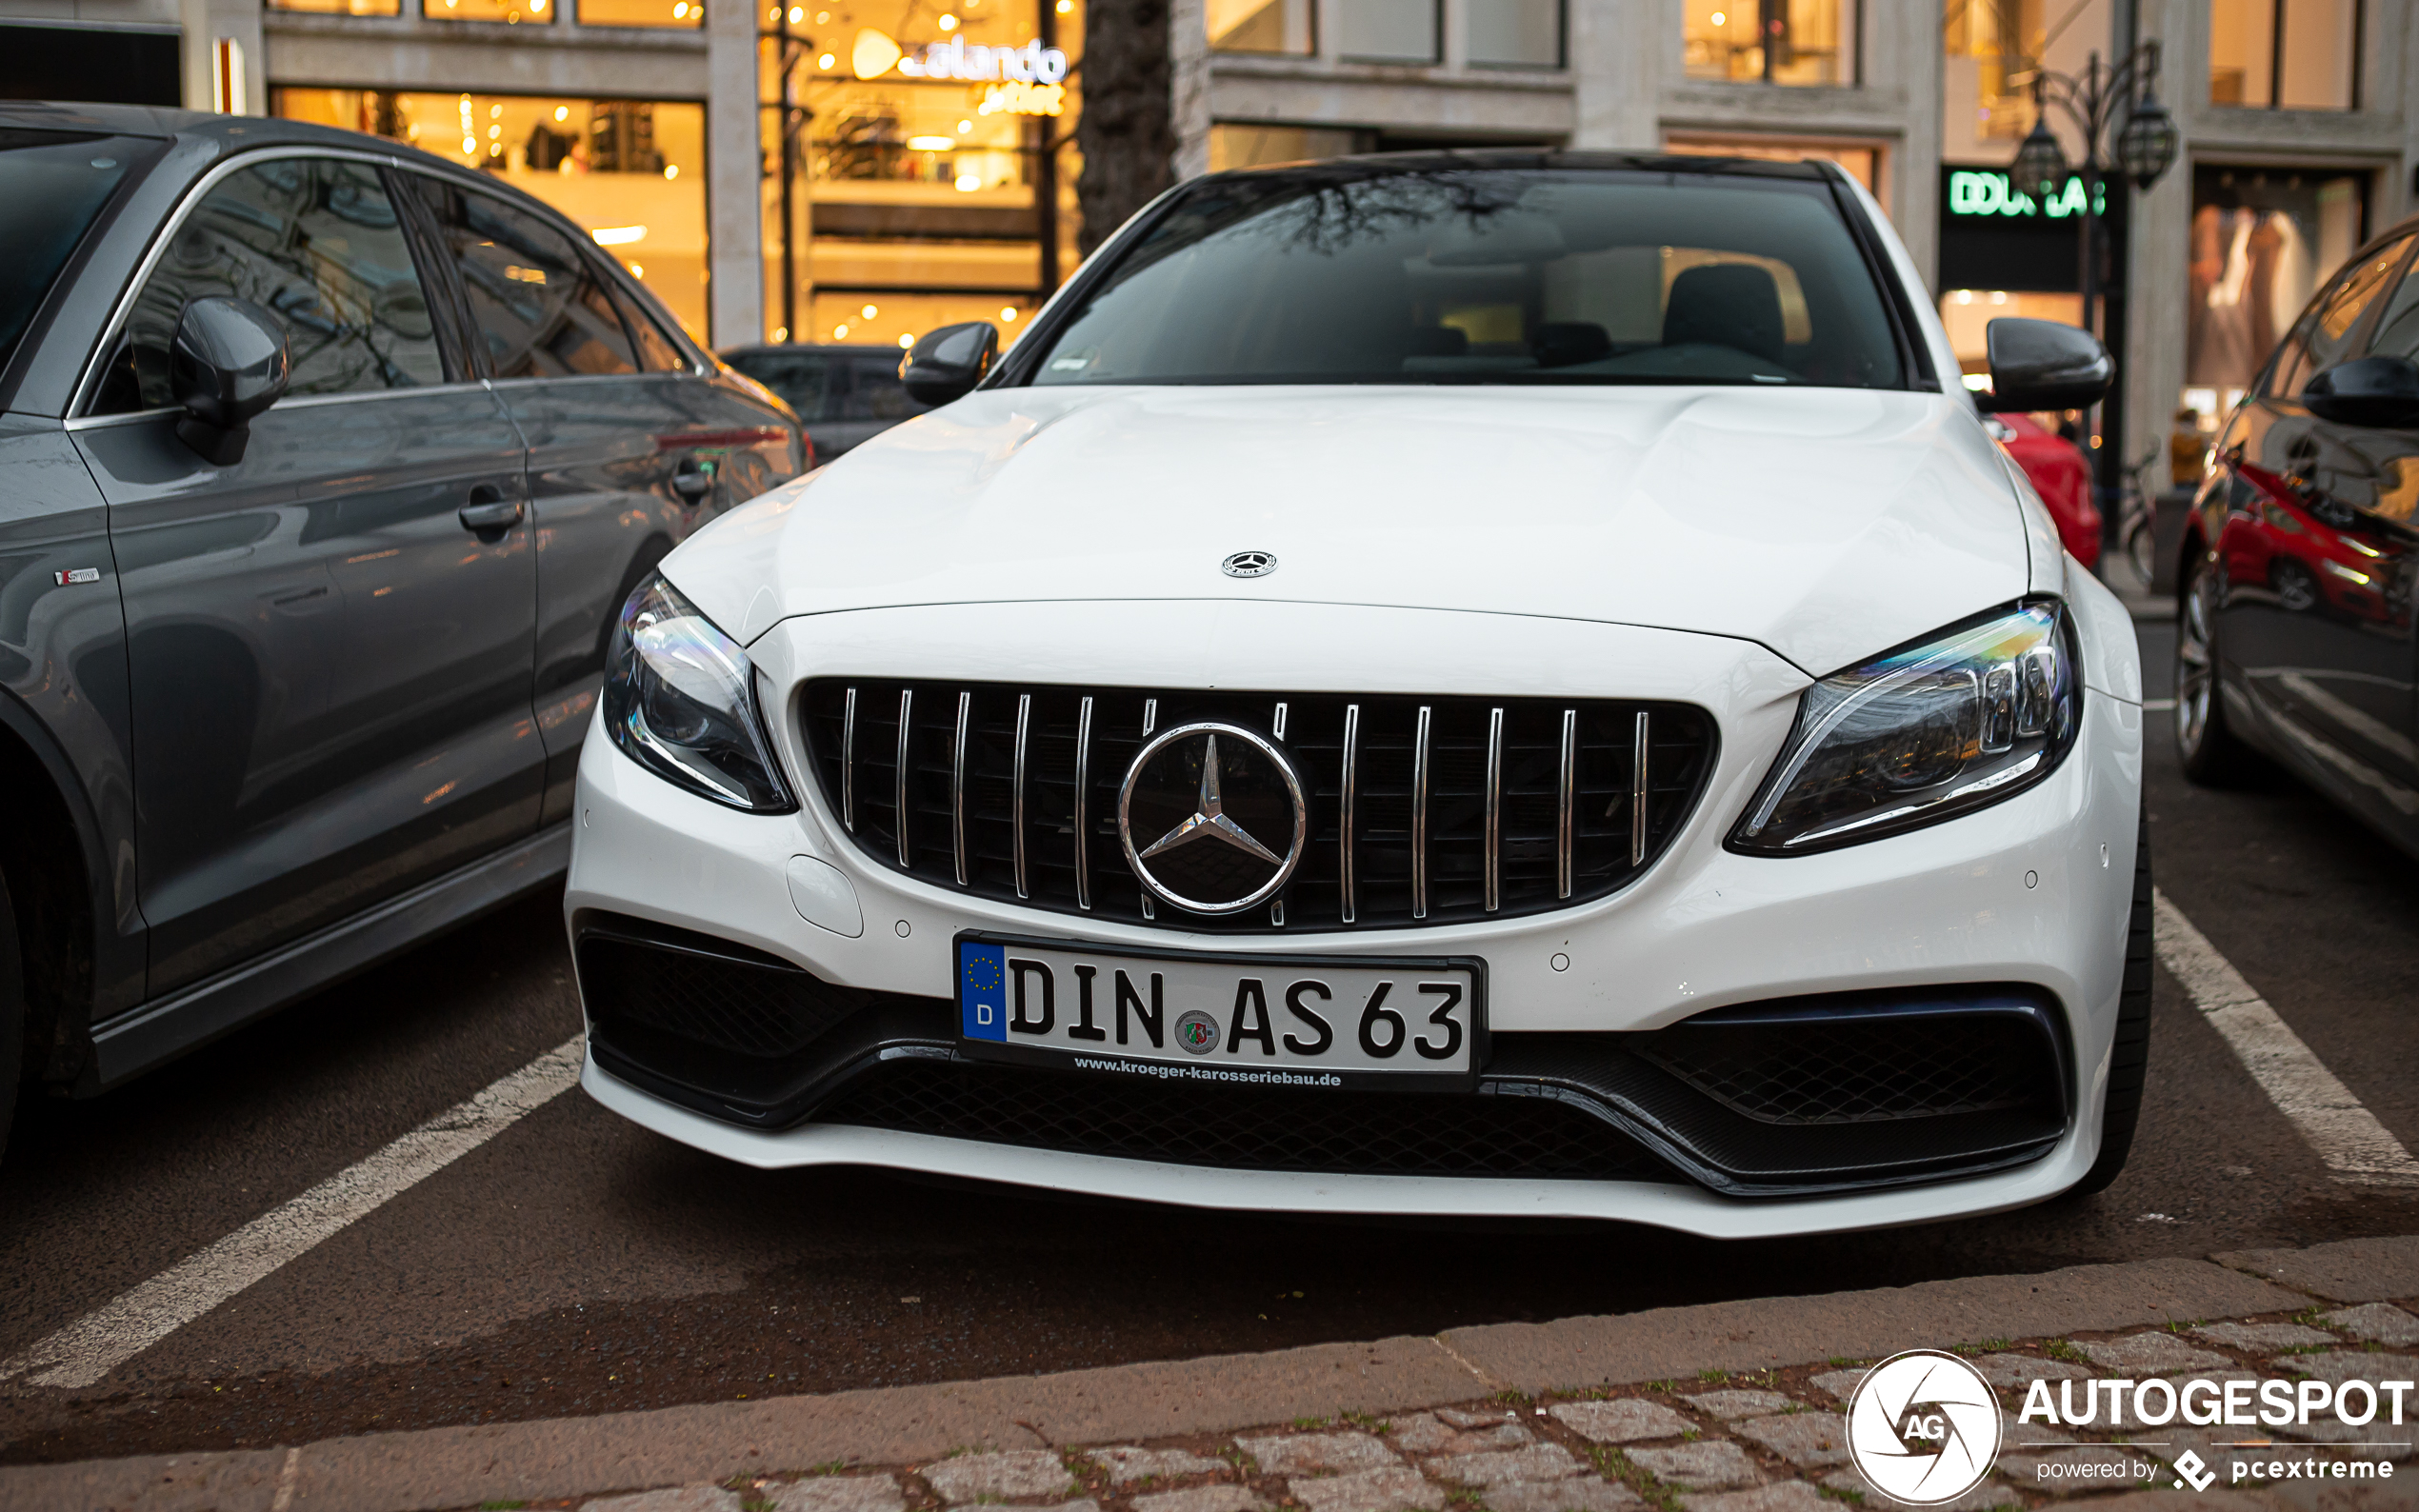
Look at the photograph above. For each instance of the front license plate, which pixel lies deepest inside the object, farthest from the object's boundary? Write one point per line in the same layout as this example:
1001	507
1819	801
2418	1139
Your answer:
1308	1022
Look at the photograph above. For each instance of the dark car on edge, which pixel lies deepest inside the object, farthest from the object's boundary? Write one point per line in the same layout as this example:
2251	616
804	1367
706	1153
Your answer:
2297	574
324	465
845	394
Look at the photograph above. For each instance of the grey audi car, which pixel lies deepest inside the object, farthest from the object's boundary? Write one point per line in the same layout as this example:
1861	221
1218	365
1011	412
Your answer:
323	467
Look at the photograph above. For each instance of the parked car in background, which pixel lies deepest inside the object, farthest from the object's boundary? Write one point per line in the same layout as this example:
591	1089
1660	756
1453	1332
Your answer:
325	467
2059	474
846	395
2294	582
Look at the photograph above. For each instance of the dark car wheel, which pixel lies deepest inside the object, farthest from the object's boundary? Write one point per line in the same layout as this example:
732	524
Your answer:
12	1014
2296	590
2129	1058
2209	752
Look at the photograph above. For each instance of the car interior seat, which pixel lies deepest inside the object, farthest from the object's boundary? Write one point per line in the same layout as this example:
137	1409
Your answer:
1736	305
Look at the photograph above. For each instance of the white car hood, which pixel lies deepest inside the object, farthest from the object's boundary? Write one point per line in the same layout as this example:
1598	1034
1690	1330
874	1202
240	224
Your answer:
1827	524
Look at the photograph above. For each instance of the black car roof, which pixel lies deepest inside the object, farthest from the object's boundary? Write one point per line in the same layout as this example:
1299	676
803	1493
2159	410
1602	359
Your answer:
844	349
231	134
1516	159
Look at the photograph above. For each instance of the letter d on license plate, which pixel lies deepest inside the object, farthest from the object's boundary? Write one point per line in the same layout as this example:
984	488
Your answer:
1307	1022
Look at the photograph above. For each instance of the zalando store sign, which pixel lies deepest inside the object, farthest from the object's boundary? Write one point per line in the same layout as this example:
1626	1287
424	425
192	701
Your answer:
1031	80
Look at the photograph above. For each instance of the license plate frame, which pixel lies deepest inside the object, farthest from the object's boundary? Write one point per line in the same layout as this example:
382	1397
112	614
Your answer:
1275	971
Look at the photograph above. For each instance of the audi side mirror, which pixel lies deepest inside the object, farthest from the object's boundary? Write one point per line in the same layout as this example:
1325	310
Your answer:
948	363
2043	365
2379	394
226	364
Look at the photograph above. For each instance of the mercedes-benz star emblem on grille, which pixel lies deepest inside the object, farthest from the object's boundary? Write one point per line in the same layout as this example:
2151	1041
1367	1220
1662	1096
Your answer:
1219	799
1249	564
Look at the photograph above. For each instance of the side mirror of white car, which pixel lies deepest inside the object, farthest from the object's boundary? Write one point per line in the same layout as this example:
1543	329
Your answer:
2043	365
948	363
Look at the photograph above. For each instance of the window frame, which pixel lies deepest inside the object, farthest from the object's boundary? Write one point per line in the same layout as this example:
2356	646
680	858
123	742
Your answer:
89	383
2277	28
1016	366
2356	337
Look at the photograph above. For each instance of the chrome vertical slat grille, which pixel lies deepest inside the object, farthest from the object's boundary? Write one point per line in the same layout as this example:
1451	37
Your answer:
1419	815
1081	833
1507	807
1567	802
1494	860
1347	831
899	807
957	788
1638	750
849	762
1016	804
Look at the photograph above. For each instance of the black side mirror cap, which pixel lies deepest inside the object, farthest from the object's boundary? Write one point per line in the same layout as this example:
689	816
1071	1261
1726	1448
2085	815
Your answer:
2043	365
227	363
2377	392
946	364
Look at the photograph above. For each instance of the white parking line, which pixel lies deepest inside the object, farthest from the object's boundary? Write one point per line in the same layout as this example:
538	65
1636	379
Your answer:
2347	1136
96	1344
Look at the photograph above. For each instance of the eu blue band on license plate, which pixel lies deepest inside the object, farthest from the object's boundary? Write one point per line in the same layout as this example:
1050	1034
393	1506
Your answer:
1217	1016
982	990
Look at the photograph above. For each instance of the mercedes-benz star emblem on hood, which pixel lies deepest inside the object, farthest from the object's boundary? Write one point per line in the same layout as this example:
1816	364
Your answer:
1249	564
1219	799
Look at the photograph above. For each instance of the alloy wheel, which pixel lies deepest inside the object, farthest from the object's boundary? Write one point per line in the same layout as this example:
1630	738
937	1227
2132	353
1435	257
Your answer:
2195	661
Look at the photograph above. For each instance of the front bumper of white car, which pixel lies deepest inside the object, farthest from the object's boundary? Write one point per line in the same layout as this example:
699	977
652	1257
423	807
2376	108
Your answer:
2017	910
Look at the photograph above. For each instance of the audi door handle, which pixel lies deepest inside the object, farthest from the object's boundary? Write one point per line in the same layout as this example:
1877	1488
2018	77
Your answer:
693	481
488	509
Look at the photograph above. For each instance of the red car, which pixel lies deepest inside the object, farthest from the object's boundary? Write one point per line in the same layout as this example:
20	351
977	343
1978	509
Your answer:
2059	475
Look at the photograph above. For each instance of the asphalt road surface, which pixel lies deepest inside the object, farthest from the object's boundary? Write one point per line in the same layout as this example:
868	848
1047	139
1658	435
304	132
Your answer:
576	1265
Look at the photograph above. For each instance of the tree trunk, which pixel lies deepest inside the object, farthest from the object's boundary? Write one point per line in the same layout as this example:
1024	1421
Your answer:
1127	131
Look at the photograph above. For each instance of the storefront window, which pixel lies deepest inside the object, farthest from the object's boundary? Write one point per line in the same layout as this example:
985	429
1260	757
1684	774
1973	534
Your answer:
1773	41
343	8
1386	30
1260	26
512	12
1236	143
1513	34
1862	162
930	174
2262	240
1992	47
631	172
2293	54
689	13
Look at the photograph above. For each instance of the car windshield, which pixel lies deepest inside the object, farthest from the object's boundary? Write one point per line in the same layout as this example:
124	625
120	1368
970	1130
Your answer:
53	185
1436	271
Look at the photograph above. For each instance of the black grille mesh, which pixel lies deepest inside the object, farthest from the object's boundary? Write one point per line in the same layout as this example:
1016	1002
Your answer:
763	1010
1852	1070
863	780
1380	1133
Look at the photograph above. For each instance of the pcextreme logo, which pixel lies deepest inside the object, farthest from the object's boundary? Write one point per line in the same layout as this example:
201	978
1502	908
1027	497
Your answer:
1924	1428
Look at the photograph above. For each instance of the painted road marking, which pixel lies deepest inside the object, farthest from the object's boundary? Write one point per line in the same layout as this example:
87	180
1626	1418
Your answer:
2347	1136
96	1344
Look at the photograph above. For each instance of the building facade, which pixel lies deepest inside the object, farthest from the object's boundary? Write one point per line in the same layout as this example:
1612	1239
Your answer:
851	171
861	170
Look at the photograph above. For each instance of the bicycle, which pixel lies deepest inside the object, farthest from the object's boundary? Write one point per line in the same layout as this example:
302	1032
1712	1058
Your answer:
2137	525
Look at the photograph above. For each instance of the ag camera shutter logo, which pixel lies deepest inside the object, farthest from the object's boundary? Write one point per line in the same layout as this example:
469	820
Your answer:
1924	1428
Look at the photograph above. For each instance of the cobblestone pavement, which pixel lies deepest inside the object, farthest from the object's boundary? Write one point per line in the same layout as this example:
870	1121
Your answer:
1768	1442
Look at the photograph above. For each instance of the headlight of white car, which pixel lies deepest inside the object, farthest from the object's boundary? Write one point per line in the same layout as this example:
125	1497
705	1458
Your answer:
680	701
1970	716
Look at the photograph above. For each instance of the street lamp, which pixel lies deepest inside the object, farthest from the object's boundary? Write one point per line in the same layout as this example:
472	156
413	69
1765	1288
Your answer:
2145	149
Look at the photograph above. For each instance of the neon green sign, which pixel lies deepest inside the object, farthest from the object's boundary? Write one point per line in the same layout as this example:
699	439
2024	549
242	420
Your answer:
1986	191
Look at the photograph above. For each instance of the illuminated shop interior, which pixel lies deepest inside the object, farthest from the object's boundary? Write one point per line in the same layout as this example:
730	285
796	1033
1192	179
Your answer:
932	165
630	171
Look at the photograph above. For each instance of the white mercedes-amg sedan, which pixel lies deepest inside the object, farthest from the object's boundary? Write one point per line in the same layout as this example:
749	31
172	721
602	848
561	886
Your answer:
1480	684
